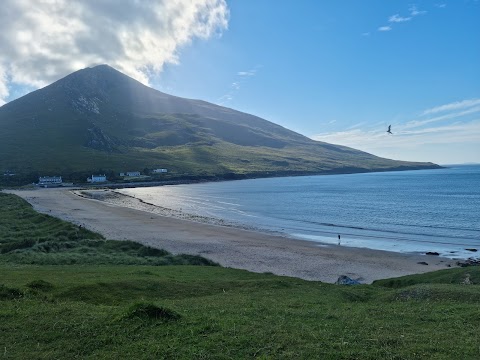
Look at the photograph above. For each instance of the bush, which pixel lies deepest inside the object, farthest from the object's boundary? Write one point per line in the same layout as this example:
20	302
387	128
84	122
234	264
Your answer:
40	285
7	293
185	259
149	251
22	244
151	311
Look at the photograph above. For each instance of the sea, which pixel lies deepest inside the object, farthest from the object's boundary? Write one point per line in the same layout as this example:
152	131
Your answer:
403	211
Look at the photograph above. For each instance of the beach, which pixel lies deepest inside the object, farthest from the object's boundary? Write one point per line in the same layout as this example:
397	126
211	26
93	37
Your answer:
120	217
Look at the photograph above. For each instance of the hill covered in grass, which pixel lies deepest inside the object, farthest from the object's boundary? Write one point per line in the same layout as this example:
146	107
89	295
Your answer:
66	292
100	120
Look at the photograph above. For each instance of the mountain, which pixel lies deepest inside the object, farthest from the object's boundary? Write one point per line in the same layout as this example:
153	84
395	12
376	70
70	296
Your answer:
98	119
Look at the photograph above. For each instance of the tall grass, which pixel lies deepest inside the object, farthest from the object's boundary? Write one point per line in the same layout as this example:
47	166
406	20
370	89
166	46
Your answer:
28	237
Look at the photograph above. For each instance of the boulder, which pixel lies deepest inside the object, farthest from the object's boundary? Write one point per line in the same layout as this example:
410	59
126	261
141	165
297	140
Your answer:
469	262
345	280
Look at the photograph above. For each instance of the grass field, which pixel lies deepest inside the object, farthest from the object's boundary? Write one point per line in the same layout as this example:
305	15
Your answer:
119	309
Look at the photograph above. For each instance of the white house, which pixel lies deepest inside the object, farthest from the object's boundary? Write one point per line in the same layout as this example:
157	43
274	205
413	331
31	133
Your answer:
49	180
97	178
158	171
130	173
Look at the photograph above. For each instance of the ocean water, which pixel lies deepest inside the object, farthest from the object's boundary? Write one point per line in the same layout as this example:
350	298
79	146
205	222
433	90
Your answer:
405	211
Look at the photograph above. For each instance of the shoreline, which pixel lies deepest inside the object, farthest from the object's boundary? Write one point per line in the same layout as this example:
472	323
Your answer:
116	198
227	244
321	237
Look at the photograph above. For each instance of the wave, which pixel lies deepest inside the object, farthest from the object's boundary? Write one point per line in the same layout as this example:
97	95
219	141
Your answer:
389	231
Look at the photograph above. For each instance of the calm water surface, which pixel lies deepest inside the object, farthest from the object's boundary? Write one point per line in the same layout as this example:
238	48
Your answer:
407	211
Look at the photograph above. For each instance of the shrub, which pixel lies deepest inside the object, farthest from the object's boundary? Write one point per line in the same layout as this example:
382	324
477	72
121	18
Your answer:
149	251
7	293
22	244
185	259
40	285
151	311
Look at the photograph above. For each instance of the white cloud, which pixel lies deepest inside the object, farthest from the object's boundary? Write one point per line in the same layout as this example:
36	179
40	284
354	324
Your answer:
415	12
225	98
384	28
441	138
446	144
242	78
394	19
371	140
398	19
247	73
449	116
3	85
441	6
43	40
464	104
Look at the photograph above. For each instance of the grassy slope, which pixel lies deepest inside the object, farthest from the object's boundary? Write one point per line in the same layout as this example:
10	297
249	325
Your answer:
134	127
84	311
28	237
212	156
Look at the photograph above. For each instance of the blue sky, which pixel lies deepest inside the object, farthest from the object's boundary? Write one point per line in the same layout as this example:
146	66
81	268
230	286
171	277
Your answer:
336	71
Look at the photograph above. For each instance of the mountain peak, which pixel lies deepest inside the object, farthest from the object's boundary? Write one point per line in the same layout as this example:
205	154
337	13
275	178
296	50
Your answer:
99	118
101	66
97	75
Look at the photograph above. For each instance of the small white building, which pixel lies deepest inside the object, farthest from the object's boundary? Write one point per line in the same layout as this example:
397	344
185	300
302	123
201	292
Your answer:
50	180
159	171
97	178
130	173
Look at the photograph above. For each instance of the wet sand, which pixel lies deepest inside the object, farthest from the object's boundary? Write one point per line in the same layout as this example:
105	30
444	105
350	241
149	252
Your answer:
110	214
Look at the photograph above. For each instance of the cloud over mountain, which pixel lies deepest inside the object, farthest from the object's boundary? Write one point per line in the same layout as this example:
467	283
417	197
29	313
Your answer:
43	40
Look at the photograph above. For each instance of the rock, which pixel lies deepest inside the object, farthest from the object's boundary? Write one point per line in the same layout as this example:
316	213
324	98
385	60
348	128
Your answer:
422	263
345	280
469	262
472	250
432	253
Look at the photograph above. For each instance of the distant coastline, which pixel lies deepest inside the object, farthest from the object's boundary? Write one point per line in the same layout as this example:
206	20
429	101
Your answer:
197	179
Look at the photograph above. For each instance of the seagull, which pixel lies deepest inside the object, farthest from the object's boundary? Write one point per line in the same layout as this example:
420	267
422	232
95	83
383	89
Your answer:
388	131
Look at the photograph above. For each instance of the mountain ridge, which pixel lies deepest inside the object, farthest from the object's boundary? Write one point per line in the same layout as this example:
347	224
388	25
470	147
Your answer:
100	119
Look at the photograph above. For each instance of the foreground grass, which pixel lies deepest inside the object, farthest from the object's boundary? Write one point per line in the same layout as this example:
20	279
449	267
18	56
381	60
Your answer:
112	309
86	312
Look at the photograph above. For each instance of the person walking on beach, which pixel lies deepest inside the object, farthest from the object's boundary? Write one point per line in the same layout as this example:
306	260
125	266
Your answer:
338	239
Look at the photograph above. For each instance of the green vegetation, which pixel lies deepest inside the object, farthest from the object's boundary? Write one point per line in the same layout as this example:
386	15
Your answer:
109	311
190	312
100	121
28	237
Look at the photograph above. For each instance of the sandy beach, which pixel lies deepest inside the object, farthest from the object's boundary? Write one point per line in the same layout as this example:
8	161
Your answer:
224	243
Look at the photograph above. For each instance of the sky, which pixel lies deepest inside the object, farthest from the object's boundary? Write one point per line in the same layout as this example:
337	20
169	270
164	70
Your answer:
336	71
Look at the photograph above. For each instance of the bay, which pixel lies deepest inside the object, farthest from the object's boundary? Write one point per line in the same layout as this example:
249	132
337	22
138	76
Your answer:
404	211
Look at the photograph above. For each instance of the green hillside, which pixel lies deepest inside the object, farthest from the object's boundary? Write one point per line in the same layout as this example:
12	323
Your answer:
98	119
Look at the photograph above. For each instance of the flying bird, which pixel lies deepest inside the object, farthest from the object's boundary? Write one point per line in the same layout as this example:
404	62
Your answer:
389	129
